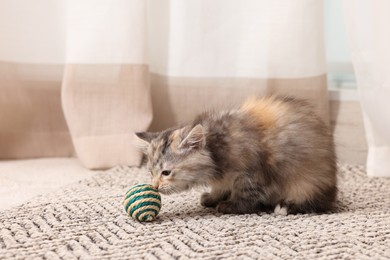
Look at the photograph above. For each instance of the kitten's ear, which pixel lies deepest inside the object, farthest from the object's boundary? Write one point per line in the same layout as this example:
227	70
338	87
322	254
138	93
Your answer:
144	139
146	136
194	140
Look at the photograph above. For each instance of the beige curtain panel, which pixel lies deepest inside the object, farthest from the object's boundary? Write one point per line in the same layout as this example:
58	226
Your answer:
77	78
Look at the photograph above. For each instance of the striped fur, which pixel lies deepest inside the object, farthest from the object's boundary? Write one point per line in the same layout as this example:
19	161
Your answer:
271	153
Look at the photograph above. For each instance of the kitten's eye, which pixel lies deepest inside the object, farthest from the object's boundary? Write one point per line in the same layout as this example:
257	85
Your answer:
166	173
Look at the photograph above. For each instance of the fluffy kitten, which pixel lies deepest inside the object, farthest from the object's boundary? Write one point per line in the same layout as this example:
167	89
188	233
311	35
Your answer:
272	153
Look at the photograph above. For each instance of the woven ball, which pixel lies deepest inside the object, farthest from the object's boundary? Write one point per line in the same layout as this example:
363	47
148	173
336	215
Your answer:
142	202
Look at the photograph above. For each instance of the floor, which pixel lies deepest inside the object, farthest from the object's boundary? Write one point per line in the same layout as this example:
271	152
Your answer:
23	179
348	130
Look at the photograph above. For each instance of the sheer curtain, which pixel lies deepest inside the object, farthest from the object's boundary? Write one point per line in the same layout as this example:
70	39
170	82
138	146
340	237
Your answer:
77	78
74	79
367	24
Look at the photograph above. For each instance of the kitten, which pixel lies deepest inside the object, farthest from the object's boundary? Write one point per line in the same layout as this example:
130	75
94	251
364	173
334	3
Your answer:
272	153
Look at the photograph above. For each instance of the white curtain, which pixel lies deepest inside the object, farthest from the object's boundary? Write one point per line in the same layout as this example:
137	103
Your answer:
216	53
77	77
368	30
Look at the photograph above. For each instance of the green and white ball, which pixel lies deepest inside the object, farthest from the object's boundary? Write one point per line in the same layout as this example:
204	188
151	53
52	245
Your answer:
142	202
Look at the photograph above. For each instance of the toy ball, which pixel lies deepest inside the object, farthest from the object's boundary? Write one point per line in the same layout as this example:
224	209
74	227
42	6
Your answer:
142	202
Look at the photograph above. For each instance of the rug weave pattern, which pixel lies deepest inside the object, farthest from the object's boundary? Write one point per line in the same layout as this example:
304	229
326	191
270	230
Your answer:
87	221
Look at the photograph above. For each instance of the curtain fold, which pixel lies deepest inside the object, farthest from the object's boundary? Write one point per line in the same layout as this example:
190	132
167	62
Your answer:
118	104
81	79
367	24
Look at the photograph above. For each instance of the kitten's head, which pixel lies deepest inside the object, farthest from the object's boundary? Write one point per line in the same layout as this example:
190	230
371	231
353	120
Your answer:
177	159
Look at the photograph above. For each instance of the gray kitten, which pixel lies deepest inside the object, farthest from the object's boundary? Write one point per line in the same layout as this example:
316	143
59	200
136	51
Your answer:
270	154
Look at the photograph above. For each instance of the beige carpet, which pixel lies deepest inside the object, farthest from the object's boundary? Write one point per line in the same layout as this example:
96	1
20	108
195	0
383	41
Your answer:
87	220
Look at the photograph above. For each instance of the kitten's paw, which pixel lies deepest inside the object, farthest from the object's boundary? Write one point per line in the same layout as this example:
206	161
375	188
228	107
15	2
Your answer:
208	201
281	211
226	207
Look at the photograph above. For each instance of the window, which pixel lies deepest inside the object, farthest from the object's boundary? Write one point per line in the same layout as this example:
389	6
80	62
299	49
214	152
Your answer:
340	70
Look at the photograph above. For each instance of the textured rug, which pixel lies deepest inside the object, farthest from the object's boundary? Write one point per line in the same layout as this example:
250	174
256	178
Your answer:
87	221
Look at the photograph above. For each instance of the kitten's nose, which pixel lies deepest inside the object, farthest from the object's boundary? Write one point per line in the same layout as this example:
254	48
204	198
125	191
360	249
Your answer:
155	185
